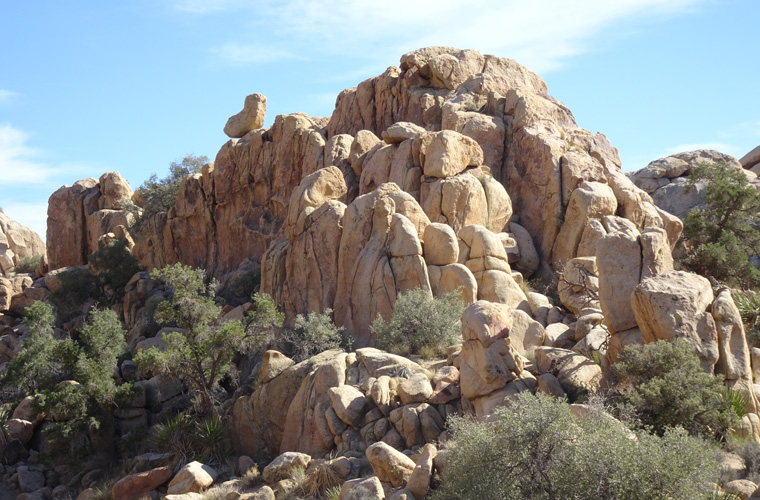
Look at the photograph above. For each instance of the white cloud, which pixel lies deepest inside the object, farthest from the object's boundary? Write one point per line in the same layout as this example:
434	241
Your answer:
31	215
541	34
7	96
236	53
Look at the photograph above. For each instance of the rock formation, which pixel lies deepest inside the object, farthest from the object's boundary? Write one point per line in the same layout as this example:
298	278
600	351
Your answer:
16	243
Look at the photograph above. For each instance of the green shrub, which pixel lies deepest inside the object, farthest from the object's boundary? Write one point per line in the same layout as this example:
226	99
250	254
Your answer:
748	303
537	449
204	352
722	234
44	364
420	324
663	384
159	195
28	264
749	451
312	334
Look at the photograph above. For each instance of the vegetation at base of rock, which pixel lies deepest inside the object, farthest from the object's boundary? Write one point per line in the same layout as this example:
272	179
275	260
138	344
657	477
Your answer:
103	282
312	334
748	303
537	449
420	324
28	264
203	352
722	235
71	379
664	386
159	195
206	439
749	451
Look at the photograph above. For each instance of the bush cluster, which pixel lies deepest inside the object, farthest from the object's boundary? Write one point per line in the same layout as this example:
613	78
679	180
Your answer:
420	324
537	449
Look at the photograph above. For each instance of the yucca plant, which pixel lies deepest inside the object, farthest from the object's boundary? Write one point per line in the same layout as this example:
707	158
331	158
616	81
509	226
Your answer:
748	303
210	440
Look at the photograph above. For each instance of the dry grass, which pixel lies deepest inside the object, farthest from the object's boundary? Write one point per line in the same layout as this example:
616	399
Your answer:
318	481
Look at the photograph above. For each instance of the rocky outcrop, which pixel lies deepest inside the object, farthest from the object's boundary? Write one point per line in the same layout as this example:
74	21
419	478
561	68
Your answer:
751	160
16	243
79	215
665	180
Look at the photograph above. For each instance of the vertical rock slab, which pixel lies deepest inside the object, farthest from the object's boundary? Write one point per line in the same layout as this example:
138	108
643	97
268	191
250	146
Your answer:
619	263
66	226
674	305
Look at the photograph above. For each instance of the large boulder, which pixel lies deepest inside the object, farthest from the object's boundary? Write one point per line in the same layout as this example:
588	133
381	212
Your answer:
192	478
16	243
250	118
137	486
674	305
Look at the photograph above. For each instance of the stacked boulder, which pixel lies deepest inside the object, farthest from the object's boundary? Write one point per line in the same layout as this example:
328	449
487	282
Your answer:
16	243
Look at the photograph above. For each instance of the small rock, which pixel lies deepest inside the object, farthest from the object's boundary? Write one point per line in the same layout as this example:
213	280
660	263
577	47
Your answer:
282	467
192	478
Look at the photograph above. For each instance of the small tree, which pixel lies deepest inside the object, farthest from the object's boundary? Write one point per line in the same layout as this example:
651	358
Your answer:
420	324
663	384
312	334
722	235
159	195
203	353
71	379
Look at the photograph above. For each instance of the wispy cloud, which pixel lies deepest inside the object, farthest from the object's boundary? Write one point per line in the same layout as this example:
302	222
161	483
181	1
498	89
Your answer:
718	146
7	96
237	54
31	215
540	34
20	163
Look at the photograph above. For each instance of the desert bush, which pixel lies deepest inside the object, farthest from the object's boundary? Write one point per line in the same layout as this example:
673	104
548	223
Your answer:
537	449
206	439
46	366
748	303
203	353
420	324
28	264
664	385
159	195
312	334
722	234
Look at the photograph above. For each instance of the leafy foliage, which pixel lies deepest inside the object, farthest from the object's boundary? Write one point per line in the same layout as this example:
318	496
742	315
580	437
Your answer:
312	334
664	386
28	264
202	354
159	195
420	324
537	449
722	235
71	379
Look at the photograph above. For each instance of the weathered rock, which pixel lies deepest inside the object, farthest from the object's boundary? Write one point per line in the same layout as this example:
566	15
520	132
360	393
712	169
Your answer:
16	242
577	374
349	404
136	486
447	153
192	478
742	488
401	131
419	482
440	245
619	263
250	118
19	429
282	467
457	201
525	334
362	489
415	389
579	285
389	465
673	305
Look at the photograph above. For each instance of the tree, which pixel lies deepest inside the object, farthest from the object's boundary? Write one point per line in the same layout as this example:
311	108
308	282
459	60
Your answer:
536	448
420	324
722	234
202	354
71	379
663	384
159	195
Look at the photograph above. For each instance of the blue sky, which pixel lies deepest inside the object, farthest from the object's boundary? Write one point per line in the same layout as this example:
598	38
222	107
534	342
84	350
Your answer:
88	87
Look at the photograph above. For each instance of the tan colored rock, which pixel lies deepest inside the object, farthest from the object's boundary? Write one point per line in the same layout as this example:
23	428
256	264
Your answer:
16	242
742	488
401	131
315	189
389	465
19	429
456	277
364	142
362	489
499	203
349	404
415	389
250	118
67	245
447	153
526	333
113	189
577	374
657	257
486	322
457	201
272	364
673	305
283	466
485	369
619	264
192	478
590	200
498	286
440	245
419	482
136	486
549	384
579	285
376	167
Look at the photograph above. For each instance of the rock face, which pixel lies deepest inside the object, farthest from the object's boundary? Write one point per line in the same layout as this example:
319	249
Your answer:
16	242
665	179
79	215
